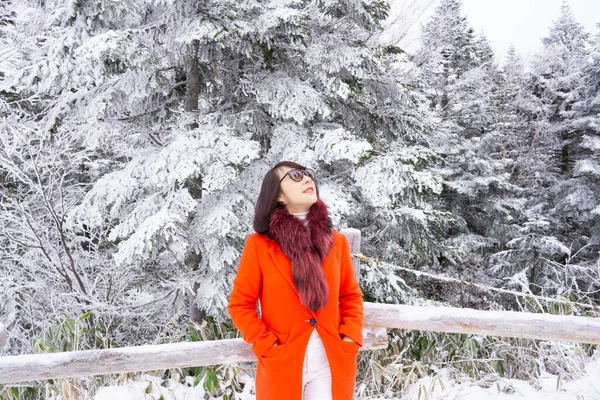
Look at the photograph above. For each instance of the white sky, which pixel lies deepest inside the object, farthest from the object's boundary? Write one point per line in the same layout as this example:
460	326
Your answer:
524	22
520	22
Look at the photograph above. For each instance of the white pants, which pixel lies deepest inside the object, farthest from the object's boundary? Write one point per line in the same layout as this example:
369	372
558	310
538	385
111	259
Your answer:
316	375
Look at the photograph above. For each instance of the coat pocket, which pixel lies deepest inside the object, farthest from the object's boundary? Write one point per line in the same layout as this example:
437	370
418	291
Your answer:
275	351
279	350
350	347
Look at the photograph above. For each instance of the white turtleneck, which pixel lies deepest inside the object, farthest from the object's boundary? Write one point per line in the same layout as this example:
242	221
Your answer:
302	217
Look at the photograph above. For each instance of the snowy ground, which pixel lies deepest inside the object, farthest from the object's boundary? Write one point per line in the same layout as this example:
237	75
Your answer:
428	388
552	388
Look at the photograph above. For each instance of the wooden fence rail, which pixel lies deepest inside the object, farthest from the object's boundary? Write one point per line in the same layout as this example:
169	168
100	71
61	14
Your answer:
377	317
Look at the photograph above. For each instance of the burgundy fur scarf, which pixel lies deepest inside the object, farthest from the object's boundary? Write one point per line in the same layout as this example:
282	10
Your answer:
306	249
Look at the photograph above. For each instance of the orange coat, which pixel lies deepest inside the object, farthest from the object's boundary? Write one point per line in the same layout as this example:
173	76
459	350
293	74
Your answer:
265	274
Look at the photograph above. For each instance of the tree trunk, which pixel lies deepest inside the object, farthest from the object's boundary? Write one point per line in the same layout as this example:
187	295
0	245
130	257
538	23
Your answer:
193	79
192	261
194	184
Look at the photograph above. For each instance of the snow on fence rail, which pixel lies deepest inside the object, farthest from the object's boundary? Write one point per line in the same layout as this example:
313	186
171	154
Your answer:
179	355
378	317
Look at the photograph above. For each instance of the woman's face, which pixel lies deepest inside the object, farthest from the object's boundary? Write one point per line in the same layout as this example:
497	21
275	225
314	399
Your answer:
296	196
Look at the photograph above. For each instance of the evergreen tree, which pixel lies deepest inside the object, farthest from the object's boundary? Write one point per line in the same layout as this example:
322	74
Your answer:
516	136
462	81
555	174
586	171
175	112
447	52
559	72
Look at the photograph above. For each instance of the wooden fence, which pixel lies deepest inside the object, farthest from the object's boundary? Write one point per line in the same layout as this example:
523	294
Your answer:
378	317
3	335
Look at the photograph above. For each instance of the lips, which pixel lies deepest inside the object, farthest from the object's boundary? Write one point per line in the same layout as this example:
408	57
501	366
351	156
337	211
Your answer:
309	190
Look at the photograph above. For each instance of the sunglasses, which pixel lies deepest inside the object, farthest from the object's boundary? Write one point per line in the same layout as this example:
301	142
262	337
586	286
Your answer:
298	174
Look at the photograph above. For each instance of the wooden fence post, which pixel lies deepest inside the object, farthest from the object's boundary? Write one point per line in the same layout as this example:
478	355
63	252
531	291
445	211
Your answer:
3	335
373	338
353	236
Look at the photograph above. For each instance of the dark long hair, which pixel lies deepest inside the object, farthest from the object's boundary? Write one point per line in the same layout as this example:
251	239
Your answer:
267	199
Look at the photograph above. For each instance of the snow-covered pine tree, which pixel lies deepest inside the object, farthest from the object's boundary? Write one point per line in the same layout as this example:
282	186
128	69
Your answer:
176	111
447	52
461	79
457	73
560	68
558	74
108	82
561	194
517	111
585	178
45	271
587	121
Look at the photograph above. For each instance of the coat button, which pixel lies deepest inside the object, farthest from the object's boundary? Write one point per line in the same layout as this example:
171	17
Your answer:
313	322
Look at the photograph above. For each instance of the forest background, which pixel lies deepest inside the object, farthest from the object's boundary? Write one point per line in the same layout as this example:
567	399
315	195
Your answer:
134	136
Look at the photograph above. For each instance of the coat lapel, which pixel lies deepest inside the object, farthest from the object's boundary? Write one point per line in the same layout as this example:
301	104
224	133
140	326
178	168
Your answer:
329	265
283	264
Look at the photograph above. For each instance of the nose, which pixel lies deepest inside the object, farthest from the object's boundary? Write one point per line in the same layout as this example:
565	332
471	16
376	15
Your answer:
306	179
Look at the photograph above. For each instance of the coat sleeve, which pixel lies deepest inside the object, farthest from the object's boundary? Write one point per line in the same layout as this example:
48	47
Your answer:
243	301
351	302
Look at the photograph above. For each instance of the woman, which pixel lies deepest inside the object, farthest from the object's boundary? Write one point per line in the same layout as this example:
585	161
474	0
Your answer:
307	336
